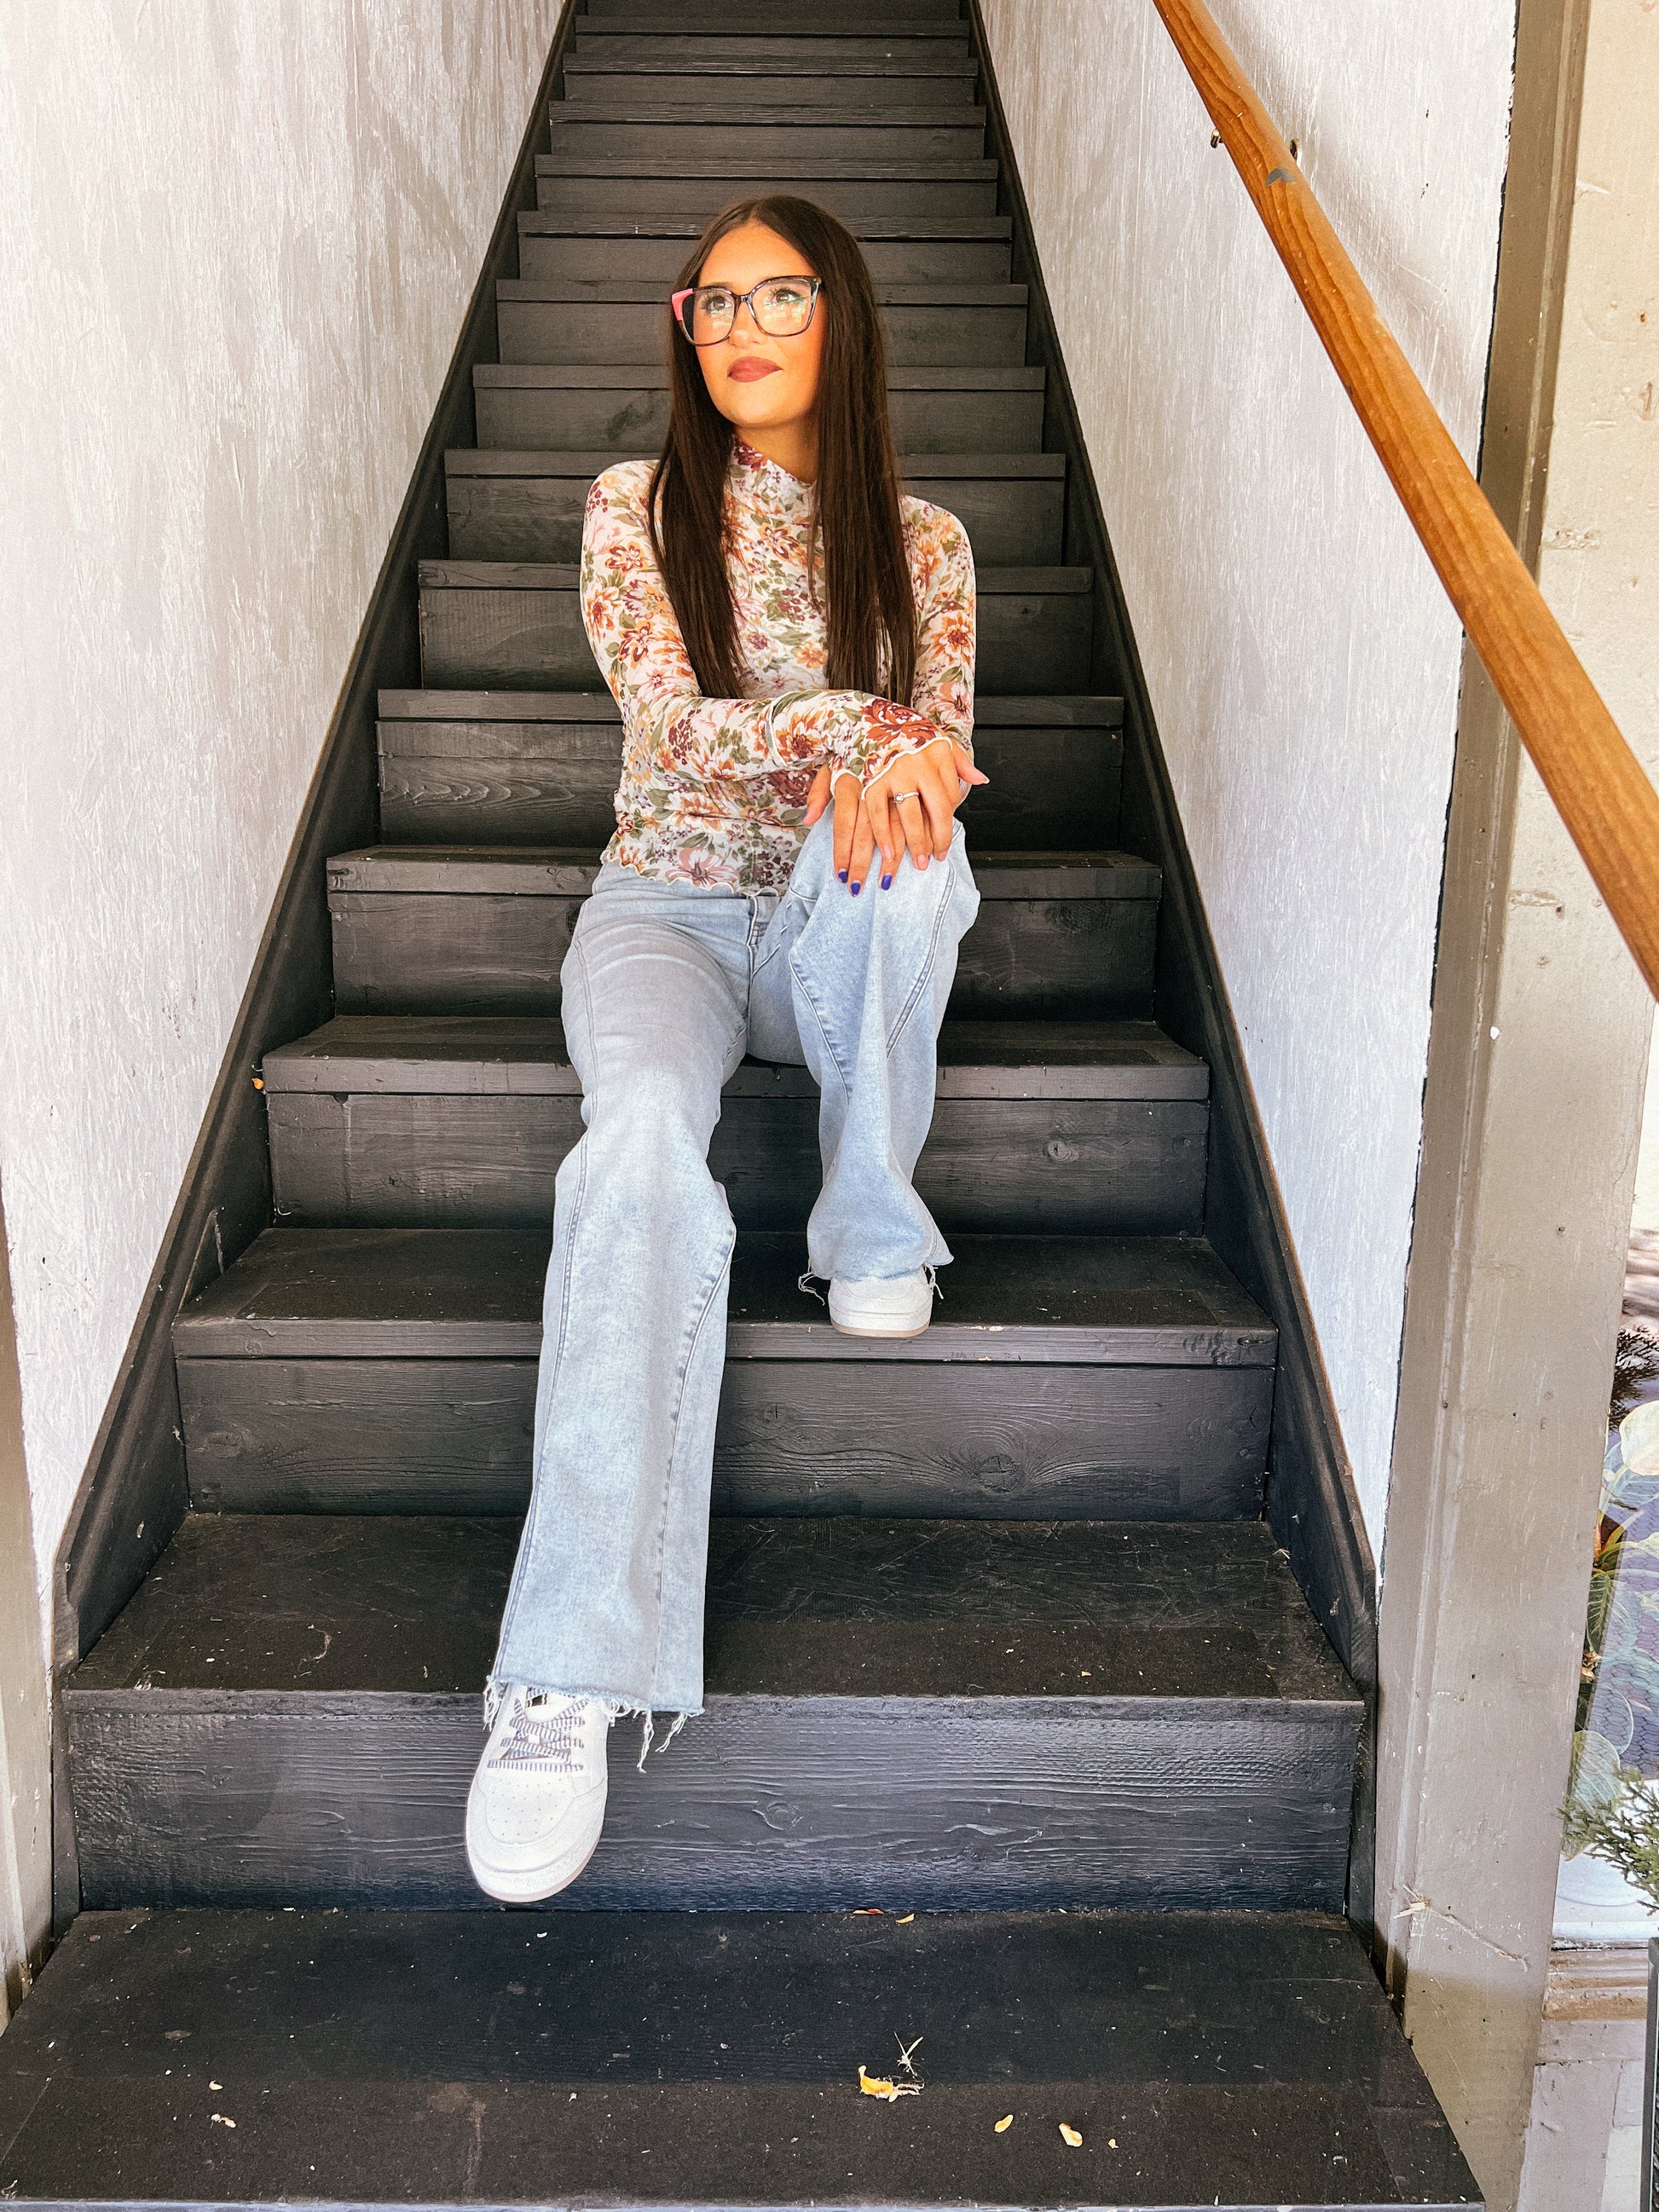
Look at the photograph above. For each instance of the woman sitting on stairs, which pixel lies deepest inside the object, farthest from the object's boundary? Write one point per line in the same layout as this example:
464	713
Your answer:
790	642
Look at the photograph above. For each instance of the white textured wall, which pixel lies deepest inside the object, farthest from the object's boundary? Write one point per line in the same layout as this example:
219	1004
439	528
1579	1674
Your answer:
240	237
1302	660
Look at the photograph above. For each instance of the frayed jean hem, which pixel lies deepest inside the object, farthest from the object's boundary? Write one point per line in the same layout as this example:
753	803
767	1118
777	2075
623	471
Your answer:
497	1692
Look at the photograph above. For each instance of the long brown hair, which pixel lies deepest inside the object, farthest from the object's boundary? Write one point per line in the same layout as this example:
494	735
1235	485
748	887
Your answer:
869	614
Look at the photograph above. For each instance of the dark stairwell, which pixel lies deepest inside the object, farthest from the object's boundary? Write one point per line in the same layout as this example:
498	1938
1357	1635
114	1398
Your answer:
1000	1633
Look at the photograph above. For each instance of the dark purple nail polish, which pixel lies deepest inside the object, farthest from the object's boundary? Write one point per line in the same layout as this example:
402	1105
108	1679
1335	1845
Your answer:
857	887
886	883
842	872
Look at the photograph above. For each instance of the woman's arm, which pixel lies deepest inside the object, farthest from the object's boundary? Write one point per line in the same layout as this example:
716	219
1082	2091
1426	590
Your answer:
945	632
671	730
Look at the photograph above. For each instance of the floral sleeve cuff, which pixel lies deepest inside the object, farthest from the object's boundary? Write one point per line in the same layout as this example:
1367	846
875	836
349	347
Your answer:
890	733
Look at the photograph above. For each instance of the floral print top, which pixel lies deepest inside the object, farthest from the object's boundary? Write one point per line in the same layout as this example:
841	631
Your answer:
712	790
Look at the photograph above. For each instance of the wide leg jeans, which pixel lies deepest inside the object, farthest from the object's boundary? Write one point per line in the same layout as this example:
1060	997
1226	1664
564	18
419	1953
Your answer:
667	986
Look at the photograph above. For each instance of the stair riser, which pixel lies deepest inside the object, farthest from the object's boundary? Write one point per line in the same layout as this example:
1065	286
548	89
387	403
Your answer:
1010	523
547	259
795	1437
621	419
1036	644
506	783
892	57
878	17
773	1802
847	93
628	333
847	197
1071	1166
480	953
577	139
861	20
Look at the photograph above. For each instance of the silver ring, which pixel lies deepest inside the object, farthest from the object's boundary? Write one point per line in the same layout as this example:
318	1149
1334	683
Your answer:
897	795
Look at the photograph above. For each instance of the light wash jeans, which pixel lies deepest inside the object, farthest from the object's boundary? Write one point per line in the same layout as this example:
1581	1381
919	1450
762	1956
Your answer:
667	986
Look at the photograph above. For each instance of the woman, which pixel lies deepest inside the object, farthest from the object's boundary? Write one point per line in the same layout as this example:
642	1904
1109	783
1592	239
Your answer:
791	646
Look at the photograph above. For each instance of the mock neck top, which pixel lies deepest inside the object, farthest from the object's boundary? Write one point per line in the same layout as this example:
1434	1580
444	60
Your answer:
712	790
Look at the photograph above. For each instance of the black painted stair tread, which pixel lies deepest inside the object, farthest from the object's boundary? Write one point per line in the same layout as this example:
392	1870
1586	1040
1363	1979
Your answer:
541	767
633	291
585	407
614	377
589	222
785	19
1104	712
313	1604
526	1056
715	164
699	108
938	468
599	52
533	872
918	80
517	624
561	577
450	1293
711	2058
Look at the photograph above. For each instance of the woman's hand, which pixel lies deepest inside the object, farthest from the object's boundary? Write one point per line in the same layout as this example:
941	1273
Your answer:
922	821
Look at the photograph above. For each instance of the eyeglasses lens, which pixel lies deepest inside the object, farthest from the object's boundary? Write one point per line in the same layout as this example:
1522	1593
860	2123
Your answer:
783	308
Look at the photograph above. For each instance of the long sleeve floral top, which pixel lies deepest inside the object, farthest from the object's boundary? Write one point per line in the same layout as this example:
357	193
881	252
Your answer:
712	790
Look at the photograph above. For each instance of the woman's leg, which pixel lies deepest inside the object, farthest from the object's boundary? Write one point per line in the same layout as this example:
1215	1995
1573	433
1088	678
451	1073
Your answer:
606	1598
862	983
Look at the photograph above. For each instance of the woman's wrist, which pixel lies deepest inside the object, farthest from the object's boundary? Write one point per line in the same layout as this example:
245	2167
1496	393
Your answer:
892	732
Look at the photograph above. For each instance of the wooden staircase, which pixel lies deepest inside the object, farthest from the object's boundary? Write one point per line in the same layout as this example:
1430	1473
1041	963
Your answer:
998	1635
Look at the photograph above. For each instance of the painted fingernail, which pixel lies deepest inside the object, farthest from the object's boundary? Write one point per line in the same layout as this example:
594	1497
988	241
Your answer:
842	872
886	883
857	887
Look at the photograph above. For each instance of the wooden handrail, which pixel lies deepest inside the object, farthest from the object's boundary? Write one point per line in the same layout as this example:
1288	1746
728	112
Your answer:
1610	808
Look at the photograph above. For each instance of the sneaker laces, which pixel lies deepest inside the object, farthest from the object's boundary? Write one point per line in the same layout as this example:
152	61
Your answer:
542	1731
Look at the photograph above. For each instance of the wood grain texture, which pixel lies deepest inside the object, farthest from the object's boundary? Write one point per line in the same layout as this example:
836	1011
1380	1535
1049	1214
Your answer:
558	254
1604	795
516	624
1007	1710
439	2059
539	330
970	1441
472	1055
624	194
523	406
488	1160
482	930
451	1293
642	128
499	782
535	514
792	1803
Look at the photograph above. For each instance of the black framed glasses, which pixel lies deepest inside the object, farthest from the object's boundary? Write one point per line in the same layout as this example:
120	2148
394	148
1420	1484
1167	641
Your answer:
781	307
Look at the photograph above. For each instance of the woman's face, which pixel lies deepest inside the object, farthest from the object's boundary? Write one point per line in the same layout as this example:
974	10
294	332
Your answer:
761	382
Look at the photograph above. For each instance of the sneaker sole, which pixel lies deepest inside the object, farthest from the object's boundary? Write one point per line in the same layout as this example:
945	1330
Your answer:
860	1328
526	1887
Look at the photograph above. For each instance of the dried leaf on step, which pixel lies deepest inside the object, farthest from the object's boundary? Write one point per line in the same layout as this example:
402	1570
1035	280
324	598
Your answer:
1071	2135
1003	2124
878	2085
904	1919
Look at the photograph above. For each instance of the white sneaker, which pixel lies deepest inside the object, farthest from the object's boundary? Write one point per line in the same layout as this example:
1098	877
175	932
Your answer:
537	1803
900	1305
